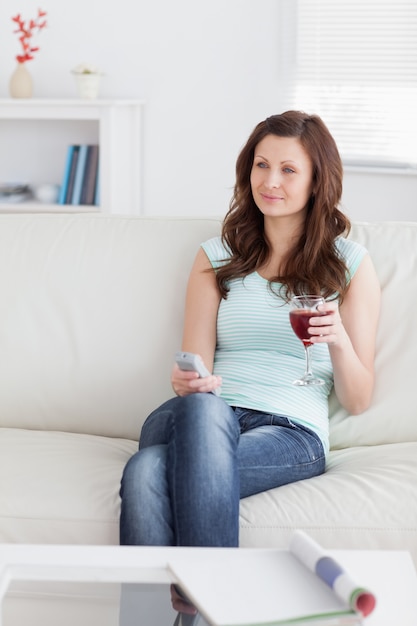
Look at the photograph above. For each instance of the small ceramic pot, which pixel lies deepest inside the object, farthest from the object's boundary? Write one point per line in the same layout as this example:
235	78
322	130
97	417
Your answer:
87	85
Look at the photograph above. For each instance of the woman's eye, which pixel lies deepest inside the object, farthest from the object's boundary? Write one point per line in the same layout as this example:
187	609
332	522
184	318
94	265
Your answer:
288	170
262	164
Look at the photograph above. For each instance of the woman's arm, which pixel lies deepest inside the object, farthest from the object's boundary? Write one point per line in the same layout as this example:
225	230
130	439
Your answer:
351	334
200	319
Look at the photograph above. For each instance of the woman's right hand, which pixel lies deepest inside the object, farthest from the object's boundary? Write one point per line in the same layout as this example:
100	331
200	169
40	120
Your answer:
185	382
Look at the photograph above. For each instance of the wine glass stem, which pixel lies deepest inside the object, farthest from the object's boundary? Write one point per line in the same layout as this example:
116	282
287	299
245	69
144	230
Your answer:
308	372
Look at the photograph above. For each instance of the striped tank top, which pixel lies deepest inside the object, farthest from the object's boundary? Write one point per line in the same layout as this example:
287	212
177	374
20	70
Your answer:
258	355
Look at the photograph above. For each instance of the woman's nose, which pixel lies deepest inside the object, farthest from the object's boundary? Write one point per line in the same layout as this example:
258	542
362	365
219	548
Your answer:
273	179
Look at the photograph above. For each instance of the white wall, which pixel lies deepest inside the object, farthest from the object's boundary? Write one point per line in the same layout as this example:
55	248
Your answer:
370	196
208	71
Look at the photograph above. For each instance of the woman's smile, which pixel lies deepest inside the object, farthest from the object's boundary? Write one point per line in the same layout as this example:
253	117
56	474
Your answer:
271	198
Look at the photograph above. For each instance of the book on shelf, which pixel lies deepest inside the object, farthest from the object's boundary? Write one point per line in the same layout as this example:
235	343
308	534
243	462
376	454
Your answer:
67	184
303	585
65	178
97	199
79	174
80	179
88	189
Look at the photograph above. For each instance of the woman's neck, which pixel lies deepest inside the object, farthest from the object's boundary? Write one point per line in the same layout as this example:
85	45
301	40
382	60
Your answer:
282	236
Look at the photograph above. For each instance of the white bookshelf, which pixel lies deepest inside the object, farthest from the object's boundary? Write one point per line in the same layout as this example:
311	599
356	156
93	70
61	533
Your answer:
34	137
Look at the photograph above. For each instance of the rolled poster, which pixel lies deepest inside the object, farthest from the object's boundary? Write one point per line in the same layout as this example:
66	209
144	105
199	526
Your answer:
312	555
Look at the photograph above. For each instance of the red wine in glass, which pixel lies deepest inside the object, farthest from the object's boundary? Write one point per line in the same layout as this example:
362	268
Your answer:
303	308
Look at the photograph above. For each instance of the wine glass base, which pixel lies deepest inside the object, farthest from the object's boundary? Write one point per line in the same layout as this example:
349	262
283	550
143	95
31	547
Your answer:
303	382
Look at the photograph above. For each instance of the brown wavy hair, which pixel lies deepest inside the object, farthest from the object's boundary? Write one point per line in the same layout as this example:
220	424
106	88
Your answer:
313	265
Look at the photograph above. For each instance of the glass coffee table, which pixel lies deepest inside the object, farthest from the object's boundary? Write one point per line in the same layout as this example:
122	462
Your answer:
47	585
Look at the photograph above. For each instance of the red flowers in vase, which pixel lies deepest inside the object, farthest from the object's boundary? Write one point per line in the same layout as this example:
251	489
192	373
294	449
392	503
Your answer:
26	30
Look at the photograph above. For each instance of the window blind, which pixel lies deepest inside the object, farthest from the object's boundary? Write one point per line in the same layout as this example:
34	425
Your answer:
356	66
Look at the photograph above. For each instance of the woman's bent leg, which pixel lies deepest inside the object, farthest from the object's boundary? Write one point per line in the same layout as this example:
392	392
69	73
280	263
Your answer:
277	453
145	517
189	491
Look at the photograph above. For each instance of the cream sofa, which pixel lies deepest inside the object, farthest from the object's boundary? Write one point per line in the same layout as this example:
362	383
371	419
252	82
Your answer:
90	317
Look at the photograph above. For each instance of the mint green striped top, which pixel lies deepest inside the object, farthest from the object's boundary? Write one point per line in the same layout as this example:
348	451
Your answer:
258	355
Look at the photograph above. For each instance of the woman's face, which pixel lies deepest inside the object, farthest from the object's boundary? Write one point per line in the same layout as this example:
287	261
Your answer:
281	177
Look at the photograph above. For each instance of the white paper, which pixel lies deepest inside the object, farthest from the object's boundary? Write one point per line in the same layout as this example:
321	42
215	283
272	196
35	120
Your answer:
246	588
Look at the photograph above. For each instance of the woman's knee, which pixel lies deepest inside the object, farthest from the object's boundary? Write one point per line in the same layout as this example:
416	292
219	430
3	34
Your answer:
205	422
208	405
145	467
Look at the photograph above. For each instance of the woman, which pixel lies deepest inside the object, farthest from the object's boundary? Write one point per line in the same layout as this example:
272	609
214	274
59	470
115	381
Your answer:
283	235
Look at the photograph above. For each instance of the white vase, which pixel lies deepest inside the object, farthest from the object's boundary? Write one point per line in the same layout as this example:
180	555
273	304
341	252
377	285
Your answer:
87	85
20	85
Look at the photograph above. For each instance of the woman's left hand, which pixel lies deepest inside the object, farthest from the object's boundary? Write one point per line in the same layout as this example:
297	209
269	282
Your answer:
327	327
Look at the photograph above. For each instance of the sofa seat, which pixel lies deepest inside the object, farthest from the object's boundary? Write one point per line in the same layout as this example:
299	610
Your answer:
364	500
60	487
81	503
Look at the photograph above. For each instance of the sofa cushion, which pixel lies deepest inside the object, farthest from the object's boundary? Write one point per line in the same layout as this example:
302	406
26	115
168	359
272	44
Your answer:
90	318
365	500
392	414
60	487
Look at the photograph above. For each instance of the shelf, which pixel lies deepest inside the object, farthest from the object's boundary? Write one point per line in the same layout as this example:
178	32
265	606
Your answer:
116	125
32	207
71	108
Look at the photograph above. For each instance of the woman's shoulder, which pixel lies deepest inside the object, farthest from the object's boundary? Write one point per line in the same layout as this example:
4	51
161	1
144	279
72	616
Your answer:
216	251
347	247
351	252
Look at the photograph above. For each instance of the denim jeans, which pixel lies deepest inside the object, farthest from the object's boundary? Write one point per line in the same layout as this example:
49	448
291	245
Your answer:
197	457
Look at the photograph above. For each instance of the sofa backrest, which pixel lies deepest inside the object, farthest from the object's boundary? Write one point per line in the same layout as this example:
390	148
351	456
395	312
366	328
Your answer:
392	416
91	313
90	318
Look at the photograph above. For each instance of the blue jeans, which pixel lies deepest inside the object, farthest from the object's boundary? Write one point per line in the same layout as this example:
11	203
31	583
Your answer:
197	457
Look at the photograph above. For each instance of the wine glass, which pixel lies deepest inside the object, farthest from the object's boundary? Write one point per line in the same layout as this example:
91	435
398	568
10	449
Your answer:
302	309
